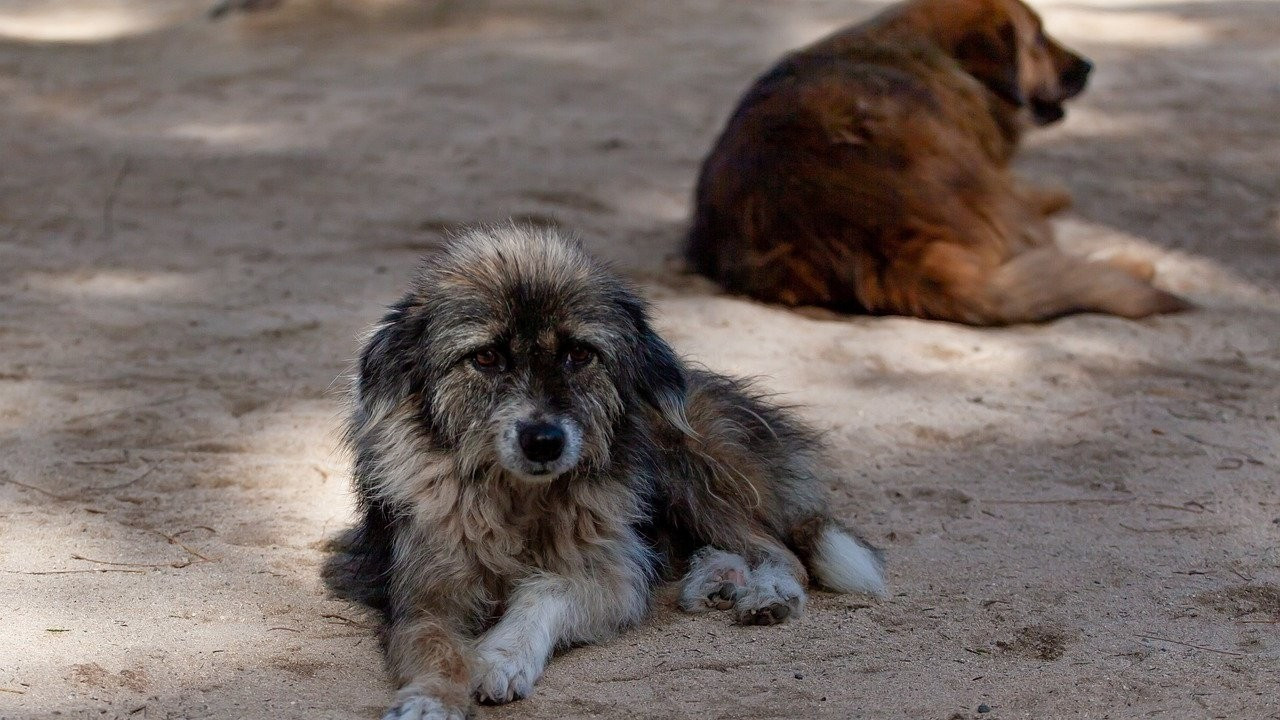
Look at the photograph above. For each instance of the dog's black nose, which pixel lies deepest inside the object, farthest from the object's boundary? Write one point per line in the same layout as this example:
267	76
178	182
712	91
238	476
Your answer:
542	442
1075	76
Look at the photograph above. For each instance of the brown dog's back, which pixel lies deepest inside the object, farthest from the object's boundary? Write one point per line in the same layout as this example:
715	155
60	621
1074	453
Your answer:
807	198
869	173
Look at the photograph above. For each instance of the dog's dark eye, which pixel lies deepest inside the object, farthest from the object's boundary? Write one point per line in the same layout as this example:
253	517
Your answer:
579	356
487	359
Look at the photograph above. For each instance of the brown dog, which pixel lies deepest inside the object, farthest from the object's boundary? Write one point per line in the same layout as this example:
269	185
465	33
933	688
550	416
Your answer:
870	172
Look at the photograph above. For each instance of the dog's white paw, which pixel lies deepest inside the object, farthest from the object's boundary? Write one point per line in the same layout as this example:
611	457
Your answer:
772	595
712	595
715	581
423	707
505	675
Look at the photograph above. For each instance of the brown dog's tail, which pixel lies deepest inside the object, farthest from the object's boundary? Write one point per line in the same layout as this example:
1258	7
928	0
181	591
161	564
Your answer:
1045	283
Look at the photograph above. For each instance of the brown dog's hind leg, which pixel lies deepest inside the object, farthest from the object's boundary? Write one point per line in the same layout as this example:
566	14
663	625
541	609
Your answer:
1033	286
1045	283
1140	268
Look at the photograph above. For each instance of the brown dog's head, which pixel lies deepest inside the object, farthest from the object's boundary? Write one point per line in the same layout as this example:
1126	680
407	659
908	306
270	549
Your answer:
1002	43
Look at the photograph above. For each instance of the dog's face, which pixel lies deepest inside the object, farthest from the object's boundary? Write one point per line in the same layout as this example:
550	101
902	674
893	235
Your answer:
1003	44
517	351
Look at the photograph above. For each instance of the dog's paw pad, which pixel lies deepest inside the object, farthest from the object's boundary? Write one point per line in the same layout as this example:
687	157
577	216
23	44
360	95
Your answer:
730	576
724	596
770	614
423	707
714	594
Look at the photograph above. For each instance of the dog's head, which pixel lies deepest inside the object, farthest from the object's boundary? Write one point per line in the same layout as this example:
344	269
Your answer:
1002	43
518	351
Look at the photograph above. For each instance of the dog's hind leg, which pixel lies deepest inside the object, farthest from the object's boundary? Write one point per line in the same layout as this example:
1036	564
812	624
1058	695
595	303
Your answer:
765	594
715	580
1046	283
757	576
1039	284
772	595
774	580
751	490
1139	267
1044	200
770	589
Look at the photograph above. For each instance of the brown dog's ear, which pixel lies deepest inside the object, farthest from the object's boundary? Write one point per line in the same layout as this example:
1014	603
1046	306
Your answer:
991	56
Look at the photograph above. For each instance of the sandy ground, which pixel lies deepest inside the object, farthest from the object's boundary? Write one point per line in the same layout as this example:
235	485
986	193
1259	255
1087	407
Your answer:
197	221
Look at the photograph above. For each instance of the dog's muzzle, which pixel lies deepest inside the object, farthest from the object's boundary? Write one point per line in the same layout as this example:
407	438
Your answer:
539	448
1074	78
1047	110
542	442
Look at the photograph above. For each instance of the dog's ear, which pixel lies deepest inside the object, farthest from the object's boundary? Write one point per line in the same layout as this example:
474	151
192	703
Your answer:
656	375
386	368
990	54
660	380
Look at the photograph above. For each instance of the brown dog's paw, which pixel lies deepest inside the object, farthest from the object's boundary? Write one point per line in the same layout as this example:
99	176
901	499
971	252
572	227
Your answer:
1148	301
1139	268
1167	302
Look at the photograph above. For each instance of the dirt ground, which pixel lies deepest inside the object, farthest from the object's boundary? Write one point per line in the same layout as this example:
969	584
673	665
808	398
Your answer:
198	220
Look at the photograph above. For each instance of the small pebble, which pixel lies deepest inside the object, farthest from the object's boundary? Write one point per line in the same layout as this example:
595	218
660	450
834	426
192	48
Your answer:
984	708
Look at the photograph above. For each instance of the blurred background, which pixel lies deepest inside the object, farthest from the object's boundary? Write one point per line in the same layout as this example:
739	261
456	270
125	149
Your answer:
199	219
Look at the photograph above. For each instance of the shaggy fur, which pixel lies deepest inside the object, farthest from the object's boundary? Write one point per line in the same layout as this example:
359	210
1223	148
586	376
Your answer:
531	457
870	172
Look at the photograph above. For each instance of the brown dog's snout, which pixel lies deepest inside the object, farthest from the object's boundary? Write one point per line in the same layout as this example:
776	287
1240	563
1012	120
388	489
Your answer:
1073	79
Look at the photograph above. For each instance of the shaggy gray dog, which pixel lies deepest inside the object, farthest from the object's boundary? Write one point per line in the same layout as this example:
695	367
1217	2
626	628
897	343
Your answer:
531	457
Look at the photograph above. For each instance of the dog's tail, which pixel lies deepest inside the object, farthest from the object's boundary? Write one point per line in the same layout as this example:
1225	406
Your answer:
842	562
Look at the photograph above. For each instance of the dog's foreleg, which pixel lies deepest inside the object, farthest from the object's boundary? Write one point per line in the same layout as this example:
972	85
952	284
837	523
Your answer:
547	611
430	661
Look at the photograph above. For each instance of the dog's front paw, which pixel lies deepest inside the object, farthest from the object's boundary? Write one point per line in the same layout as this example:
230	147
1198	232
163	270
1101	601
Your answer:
412	706
771	597
505	675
